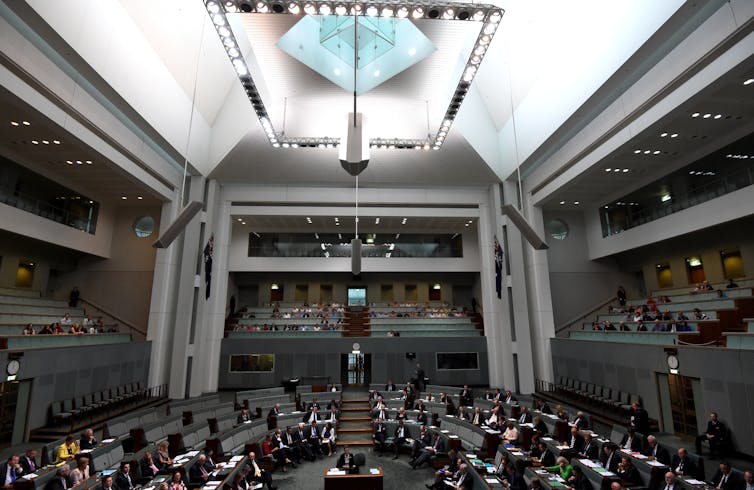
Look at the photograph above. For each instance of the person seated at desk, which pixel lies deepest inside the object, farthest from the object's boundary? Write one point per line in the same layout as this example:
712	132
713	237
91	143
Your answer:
162	457
244	416
271	453
478	417
533	450
630	441
575	441
257	474
332	415
80	472
424	440
314	439
563	468
725	479
580	421
67	450
546	457
628	472
579	481
312	416
314	404
148	468
494	419
669	481
328	438
333	403
346	461
422	418
274	411
535	484
656	451
540	426
525	417
60	481
748	480
419	405
429	453
462	413
466	397
380	436
390	386
461	479
380	412
198	473
510	436
10	471
28	461
682	464
87	440
715	435
123	479
544	407
106	482
509	398
610	460
176	481
446	471
561	413
302	443
589	450
400	437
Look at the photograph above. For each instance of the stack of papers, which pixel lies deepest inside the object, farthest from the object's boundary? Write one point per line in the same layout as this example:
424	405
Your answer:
655	463
236	459
107	441
694	482
491	480
30	476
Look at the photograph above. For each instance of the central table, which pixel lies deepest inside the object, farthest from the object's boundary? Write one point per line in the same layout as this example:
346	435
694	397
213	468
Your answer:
362	481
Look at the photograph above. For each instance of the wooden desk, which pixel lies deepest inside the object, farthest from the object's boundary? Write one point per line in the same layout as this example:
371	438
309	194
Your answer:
362	481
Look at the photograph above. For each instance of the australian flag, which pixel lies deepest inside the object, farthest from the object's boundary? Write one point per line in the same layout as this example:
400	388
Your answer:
209	252
498	269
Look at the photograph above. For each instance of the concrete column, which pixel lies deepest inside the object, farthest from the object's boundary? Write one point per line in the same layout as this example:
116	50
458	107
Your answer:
541	319
162	305
494	312
210	334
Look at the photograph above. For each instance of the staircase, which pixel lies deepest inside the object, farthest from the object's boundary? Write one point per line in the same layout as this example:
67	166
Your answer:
356	322
355	422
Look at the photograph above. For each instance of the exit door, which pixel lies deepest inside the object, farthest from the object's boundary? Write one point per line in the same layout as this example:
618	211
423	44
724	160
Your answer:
355	369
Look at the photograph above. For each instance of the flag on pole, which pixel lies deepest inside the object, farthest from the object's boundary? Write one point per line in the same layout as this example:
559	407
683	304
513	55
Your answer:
498	269
209	252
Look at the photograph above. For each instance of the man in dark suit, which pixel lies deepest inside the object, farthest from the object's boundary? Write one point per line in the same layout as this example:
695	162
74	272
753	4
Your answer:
244	416
610	460
314	403
546	457
380	435
346	462
544	407
525	417
478	417
429	453
715	435
422	418
639	419
401	433
462	413
630	441
424	440
725	479
682	464
147	467
60	481
466	397
302	443
390	386
289	440
198	473
462	479
380	412
589	450
575	441
274	411
312	415
419	405
257	474
107	482
87	440
28	461
314	439
10	470
123	479
509	398
656	451
628	472
580	421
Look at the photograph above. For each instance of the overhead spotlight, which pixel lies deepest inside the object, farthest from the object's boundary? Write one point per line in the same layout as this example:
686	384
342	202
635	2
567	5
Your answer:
262	7
309	8
463	15
479	15
749	81
449	13
340	9
696	114
372	11
496	16
484	40
433	13
417	12
324	9
14	123
402	12
245	7
293	8
357	9
387	11
26	123
278	8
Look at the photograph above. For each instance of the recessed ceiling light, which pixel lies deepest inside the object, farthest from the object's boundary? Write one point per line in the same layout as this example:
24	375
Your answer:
707	116
69	162
749	81
608	169
239	219
88	162
57	142
637	151
674	135
45	142
14	123
647	152
79	162
656	152
139	197
34	142
376	221
26	123
662	135
625	170
123	197
376	73
696	114
576	203
718	116
243	222
562	202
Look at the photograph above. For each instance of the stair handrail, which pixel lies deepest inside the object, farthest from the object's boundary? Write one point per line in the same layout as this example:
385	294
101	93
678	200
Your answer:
132	328
582	316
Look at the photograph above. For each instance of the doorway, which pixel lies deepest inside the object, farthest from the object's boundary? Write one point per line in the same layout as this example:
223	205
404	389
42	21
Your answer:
357	296
682	406
664	275
325	294
25	274
301	293
276	293
8	402
695	269
355	369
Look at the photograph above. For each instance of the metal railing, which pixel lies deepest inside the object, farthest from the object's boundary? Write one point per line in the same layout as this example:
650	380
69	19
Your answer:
590	313
132	329
81	221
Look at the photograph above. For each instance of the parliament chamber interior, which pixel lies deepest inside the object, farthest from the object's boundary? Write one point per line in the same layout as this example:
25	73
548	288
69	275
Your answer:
376	245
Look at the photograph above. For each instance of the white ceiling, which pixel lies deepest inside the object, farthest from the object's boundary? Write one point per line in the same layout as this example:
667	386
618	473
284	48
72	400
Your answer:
367	224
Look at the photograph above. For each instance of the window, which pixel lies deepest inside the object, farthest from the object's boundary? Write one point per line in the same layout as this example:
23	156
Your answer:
664	275
252	363
558	229
733	265
457	361
144	226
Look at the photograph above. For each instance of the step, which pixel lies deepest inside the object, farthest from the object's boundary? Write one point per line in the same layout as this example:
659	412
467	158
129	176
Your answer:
26	293
356	443
354	420
36	301
354	430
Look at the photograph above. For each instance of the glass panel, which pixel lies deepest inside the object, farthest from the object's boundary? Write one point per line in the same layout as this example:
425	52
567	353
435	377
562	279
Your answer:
457	360
252	363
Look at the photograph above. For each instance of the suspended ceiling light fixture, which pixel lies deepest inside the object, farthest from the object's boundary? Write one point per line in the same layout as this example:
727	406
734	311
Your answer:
489	16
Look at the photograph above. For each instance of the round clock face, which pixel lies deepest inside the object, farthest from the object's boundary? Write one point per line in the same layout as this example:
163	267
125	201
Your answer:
13	367
673	362
356	346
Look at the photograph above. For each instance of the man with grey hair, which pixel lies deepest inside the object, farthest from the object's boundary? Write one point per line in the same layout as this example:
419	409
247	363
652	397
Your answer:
656	451
462	480
669	481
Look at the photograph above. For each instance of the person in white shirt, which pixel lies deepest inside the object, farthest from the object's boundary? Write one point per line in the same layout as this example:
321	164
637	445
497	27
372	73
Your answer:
748	480
66	320
669	481
511	434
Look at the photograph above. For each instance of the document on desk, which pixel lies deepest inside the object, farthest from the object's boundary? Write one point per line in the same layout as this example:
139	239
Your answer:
692	481
336	471
655	463
490	431
236	459
107	441
30	476
374	471
492	480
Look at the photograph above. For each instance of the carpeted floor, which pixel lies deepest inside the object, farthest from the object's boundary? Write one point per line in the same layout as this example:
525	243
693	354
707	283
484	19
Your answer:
398	474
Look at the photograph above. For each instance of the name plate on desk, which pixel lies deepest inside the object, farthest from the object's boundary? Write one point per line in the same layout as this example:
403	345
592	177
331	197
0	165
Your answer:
335	471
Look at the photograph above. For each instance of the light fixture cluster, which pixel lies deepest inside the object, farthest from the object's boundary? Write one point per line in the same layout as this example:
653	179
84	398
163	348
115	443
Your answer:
125	197
488	15
647	152
575	203
45	142
621	203
748	81
699	172
617	170
738	156
666	135
18	124
78	162
240	220
709	115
